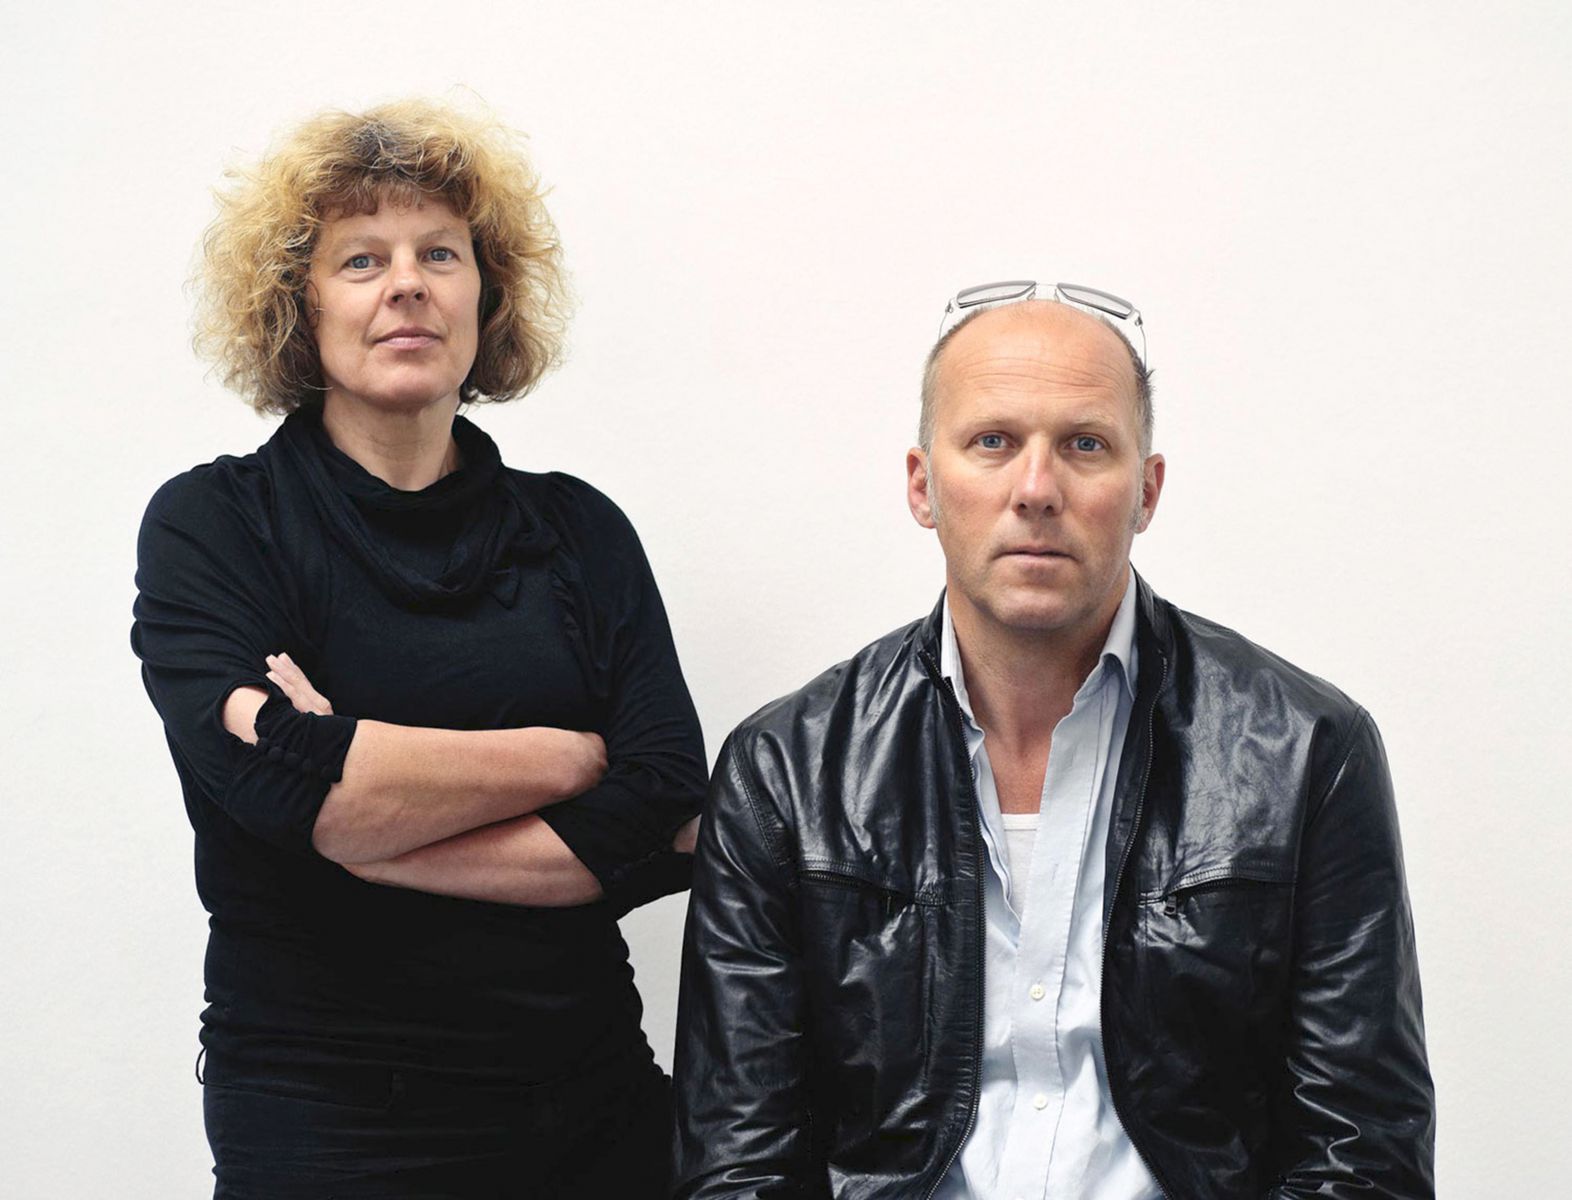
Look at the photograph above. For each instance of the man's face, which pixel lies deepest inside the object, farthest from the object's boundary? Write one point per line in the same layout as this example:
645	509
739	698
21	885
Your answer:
1035	481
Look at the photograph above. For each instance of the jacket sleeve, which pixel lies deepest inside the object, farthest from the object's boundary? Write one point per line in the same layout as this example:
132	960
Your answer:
622	828
208	609
1357	1117
741	1089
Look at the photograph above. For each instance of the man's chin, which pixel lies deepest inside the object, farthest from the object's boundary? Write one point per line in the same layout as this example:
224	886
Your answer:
1034	612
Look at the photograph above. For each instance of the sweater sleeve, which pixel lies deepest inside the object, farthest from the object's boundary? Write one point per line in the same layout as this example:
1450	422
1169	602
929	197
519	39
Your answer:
622	828
209	608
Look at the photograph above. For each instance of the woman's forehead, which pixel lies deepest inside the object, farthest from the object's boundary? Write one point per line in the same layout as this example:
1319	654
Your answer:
370	197
416	215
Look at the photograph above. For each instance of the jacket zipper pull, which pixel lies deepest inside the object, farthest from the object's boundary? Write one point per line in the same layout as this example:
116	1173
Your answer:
1171	904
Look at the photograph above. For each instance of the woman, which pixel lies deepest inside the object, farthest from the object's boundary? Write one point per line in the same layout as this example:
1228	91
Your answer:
430	727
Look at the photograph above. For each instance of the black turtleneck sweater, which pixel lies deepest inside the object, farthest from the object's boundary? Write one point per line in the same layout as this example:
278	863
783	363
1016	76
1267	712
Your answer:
492	599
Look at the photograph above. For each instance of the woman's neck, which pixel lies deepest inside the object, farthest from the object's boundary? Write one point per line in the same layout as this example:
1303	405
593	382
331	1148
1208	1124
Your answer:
408	449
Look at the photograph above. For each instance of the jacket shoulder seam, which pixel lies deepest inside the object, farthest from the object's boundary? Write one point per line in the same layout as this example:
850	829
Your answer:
766	829
1345	752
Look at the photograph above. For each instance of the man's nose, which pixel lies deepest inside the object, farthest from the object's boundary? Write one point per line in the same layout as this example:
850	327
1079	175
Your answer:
1037	482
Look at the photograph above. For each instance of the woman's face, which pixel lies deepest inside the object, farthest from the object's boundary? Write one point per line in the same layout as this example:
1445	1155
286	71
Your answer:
397	300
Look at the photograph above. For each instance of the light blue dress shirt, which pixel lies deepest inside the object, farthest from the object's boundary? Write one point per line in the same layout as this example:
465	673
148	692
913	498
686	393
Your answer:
1046	1127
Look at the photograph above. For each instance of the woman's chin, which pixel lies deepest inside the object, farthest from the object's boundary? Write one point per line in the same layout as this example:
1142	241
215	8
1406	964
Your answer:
396	401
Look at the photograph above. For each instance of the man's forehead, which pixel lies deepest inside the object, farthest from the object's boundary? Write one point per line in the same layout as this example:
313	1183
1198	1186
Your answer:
1055	327
1037	342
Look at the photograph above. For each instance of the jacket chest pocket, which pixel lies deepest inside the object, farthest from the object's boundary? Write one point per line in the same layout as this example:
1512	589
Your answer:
840	888
851	918
872	945
874	951
1217	945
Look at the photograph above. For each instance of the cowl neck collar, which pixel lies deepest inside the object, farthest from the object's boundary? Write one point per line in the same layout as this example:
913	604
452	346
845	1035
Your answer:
493	527
454	492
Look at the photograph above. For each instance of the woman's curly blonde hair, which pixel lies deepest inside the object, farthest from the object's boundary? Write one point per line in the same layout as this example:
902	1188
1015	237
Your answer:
252	318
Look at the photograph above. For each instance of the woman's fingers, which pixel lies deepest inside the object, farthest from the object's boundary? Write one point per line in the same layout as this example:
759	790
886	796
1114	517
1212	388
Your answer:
292	681
686	838
298	696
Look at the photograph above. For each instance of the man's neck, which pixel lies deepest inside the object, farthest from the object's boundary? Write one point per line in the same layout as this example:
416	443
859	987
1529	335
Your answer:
1022	682
408	450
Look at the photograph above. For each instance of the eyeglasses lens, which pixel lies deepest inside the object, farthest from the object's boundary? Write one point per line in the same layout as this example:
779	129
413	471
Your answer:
994	293
1092	298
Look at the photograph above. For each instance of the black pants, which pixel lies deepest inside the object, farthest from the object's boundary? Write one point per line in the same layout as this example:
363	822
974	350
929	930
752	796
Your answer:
356	1134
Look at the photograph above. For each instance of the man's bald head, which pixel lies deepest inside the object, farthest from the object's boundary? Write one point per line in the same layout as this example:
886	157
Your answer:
1055	318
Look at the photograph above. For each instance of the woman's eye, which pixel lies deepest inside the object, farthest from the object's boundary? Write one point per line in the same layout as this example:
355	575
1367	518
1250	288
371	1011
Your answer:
441	254
1088	444
358	262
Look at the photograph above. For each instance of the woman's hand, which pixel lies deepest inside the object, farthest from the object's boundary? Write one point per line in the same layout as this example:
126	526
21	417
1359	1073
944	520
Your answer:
292	681
686	838
584	756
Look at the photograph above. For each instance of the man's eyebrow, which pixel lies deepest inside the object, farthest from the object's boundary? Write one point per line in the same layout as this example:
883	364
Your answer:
1093	417
1086	417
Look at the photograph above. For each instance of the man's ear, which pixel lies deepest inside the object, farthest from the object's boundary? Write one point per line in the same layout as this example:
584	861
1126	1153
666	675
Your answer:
1152	471
919	487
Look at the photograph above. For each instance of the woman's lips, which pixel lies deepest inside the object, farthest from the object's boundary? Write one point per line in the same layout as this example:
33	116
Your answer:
409	341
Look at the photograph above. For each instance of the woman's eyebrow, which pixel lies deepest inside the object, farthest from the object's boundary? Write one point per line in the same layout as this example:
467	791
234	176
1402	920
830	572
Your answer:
340	240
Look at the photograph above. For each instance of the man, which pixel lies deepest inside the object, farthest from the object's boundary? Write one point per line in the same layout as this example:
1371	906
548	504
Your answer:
1060	892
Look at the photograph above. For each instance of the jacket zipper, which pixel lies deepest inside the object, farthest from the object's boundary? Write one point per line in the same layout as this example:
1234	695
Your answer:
890	900
954	708
1124	858
1232	882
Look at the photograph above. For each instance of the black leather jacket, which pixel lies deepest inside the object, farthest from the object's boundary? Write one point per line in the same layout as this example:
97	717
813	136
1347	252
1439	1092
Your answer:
1260	1003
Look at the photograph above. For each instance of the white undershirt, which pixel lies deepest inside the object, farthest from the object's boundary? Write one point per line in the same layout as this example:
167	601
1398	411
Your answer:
1020	835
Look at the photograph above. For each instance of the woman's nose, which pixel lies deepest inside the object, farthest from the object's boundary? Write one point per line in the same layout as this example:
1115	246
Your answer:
405	281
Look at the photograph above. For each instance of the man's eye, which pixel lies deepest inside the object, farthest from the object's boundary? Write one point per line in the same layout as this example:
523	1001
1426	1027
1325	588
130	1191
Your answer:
1088	444
358	262
991	441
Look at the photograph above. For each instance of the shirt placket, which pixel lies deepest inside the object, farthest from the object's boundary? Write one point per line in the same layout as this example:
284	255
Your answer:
1067	805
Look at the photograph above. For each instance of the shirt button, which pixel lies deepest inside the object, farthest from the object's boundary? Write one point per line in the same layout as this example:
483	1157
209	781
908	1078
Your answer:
1039	1101
1037	992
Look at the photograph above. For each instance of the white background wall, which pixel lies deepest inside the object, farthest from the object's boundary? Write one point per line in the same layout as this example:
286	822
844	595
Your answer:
1346	224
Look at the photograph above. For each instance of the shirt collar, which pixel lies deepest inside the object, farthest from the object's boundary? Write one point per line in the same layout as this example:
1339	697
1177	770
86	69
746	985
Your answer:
1118	649
1120	645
